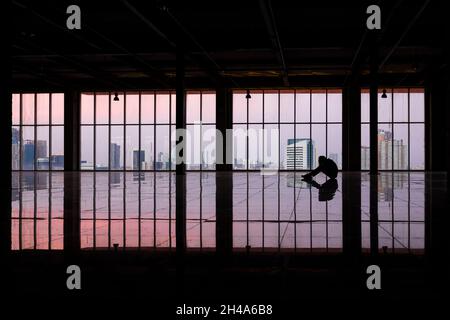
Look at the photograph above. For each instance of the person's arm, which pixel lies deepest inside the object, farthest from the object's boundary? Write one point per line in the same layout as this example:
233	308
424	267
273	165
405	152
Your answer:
315	172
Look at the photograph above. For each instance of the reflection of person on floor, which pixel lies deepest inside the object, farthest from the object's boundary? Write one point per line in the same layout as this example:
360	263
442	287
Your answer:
326	166
328	189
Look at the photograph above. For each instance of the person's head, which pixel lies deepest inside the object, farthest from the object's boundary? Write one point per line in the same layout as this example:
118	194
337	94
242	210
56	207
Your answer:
322	160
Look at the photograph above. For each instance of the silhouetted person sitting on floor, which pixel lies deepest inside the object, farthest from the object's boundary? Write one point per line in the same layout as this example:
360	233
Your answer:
326	166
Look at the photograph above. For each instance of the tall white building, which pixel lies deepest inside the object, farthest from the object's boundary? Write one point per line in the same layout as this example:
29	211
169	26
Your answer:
300	154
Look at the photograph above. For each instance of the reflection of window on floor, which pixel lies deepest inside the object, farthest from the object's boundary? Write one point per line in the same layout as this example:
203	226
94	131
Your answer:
401	129
131	210
135	131
37	211
201	210
401	212
281	212
309	124
37	131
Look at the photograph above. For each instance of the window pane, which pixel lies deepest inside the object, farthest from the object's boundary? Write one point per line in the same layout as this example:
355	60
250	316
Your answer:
28	108
57	108
173	144
162	108
132	108
255	107
417	146
365	106
417	105
87	108
193	146
87	148
318	138
43	108
303	149
303	105
193	107
101	152
239	147
15	148
287	149
28	148
385	147
365	147
57	159
208	147
239	108
162	147
133	156
334	106
271	147
334	143
385	107
147	108
116	148
401	105
270	106
42	145
117	109
16	108
319	106
209	107
255	147
173	107
147	147
287	106
400	147
102	108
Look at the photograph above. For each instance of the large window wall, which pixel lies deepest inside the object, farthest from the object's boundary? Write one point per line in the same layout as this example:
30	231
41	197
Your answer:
401	129
287	129
135	131
37	131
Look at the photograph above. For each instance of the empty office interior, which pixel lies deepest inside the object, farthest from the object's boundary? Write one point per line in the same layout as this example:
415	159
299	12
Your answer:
101	177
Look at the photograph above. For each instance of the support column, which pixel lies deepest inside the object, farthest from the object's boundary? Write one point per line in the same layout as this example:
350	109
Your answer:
72	130
72	217
373	144
351	149
224	175
5	160
180	206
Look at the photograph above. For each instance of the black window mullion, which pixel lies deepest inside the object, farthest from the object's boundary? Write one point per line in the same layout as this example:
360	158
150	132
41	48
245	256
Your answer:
95	132
50	127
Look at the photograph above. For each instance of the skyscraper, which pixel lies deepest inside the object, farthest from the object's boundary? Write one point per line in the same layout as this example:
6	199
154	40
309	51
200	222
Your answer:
392	154
138	159
28	155
300	154
114	156
15	149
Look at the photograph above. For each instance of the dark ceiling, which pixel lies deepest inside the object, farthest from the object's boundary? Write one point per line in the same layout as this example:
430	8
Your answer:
132	44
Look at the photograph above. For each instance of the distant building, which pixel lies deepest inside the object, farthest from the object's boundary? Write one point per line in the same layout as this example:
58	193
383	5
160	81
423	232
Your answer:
114	156
28	155
392	154
57	162
300	154
138	160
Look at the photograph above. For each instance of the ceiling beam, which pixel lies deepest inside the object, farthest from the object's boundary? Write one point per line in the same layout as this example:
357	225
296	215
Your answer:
271	26
403	35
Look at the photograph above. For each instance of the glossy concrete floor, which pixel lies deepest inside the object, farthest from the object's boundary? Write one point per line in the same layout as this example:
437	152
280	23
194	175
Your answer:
272	212
239	228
